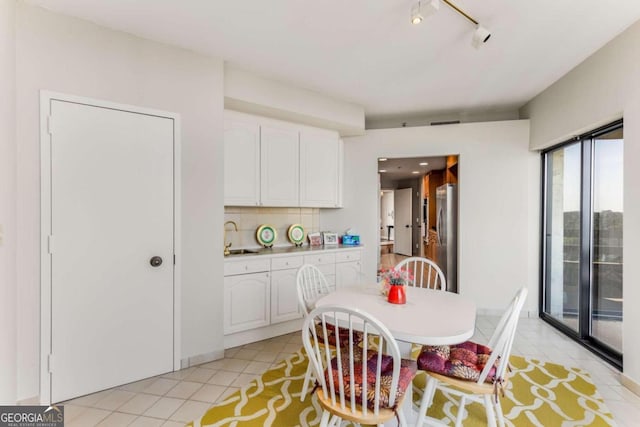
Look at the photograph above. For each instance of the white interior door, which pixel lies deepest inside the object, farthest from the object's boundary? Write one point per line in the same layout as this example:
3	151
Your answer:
112	211
402	224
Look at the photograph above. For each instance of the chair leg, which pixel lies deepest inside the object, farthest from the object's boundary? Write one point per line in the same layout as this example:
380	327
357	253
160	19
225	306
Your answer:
305	384
324	421
498	408
488	406
463	403
427	398
402	421
335	421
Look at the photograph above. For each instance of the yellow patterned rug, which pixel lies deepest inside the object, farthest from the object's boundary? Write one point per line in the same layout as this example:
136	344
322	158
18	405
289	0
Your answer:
539	394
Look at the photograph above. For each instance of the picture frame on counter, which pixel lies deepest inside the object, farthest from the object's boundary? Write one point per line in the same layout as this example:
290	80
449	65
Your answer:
330	238
315	239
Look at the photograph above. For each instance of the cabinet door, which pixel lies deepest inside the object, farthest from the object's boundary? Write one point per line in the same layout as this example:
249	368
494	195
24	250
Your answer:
246	302
348	274
319	167
279	149
284	296
241	161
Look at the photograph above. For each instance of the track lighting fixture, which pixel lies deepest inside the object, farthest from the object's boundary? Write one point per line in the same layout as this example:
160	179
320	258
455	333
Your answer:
416	15
480	36
423	9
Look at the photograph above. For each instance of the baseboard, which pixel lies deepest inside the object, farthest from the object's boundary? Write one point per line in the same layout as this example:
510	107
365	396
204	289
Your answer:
259	334
498	313
35	400
630	384
201	358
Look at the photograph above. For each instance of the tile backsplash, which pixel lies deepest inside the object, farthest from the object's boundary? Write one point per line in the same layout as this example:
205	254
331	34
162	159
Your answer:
250	218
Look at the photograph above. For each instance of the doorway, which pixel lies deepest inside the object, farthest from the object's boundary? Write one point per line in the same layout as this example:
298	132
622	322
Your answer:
583	240
109	230
411	185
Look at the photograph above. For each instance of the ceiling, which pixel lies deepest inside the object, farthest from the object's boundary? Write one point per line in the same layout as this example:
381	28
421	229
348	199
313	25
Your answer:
403	168
367	52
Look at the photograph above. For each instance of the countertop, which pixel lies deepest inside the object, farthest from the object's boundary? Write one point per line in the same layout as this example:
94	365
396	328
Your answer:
288	250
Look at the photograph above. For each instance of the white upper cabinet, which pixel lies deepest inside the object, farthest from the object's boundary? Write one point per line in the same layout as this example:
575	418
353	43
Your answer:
280	168
241	160
319	168
269	162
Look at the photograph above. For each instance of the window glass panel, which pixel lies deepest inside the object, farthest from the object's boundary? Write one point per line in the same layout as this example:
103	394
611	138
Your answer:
606	314
563	234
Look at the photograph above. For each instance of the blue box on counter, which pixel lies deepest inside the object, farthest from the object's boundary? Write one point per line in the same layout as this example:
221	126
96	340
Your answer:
351	240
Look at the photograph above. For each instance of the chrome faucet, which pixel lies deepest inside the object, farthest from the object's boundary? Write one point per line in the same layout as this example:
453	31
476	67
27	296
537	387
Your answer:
227	246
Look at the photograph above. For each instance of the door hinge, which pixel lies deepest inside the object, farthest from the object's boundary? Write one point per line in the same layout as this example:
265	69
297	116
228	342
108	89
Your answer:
50	123
174	259
50	362
50	244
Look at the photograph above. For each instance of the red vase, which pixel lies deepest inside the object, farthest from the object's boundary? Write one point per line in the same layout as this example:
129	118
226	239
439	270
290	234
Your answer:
397	294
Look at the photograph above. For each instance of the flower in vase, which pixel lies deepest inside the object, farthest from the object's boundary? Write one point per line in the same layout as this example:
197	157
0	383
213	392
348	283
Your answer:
394	277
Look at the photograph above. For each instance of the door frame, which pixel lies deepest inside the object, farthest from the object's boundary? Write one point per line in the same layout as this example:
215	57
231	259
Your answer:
45	225
411	224
582	334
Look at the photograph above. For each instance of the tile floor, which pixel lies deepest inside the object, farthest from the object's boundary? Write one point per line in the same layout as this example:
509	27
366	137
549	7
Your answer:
179	397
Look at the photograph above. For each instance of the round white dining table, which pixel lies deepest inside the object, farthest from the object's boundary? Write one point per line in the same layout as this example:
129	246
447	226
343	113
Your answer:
429	317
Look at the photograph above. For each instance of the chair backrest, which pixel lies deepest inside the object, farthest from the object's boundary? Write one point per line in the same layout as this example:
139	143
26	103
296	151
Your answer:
311	285
502	339
426	273
351	373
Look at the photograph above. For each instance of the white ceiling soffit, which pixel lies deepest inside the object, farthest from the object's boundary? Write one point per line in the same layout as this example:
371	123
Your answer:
368	53
403	168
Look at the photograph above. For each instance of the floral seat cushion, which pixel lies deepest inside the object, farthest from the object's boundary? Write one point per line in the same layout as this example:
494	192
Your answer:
343	335
465	361
408	370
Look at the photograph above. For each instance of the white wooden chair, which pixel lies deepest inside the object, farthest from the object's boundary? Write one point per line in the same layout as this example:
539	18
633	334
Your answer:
311	285
356	383
426	273
480	391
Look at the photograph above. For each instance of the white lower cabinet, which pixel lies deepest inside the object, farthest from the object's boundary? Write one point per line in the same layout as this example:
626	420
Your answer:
348	269
246	302
261	296
284	292
348	274
284	296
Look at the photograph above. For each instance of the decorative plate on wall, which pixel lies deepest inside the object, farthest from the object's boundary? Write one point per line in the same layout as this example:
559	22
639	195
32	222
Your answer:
296	234
266	235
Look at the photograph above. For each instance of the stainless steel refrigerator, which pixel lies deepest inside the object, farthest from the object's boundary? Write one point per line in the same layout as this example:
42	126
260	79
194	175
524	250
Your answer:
447	230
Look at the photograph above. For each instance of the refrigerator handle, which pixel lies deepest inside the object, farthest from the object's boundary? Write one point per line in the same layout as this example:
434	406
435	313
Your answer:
439	227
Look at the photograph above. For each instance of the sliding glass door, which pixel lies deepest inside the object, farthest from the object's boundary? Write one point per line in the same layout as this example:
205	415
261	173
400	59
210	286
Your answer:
606	260
582	240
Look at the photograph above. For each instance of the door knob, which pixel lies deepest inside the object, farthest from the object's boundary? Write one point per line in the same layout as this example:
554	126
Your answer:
155	261
407	226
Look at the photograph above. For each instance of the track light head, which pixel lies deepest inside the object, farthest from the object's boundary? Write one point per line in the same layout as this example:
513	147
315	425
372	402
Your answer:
422	9
416	14
480	36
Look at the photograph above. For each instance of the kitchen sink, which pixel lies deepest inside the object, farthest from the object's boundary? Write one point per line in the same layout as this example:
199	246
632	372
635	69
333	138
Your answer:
242	251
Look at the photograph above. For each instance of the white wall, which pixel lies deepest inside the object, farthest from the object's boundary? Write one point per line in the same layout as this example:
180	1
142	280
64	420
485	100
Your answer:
387	214
68	55
254	94
411	120
603	88
498	239
7	203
